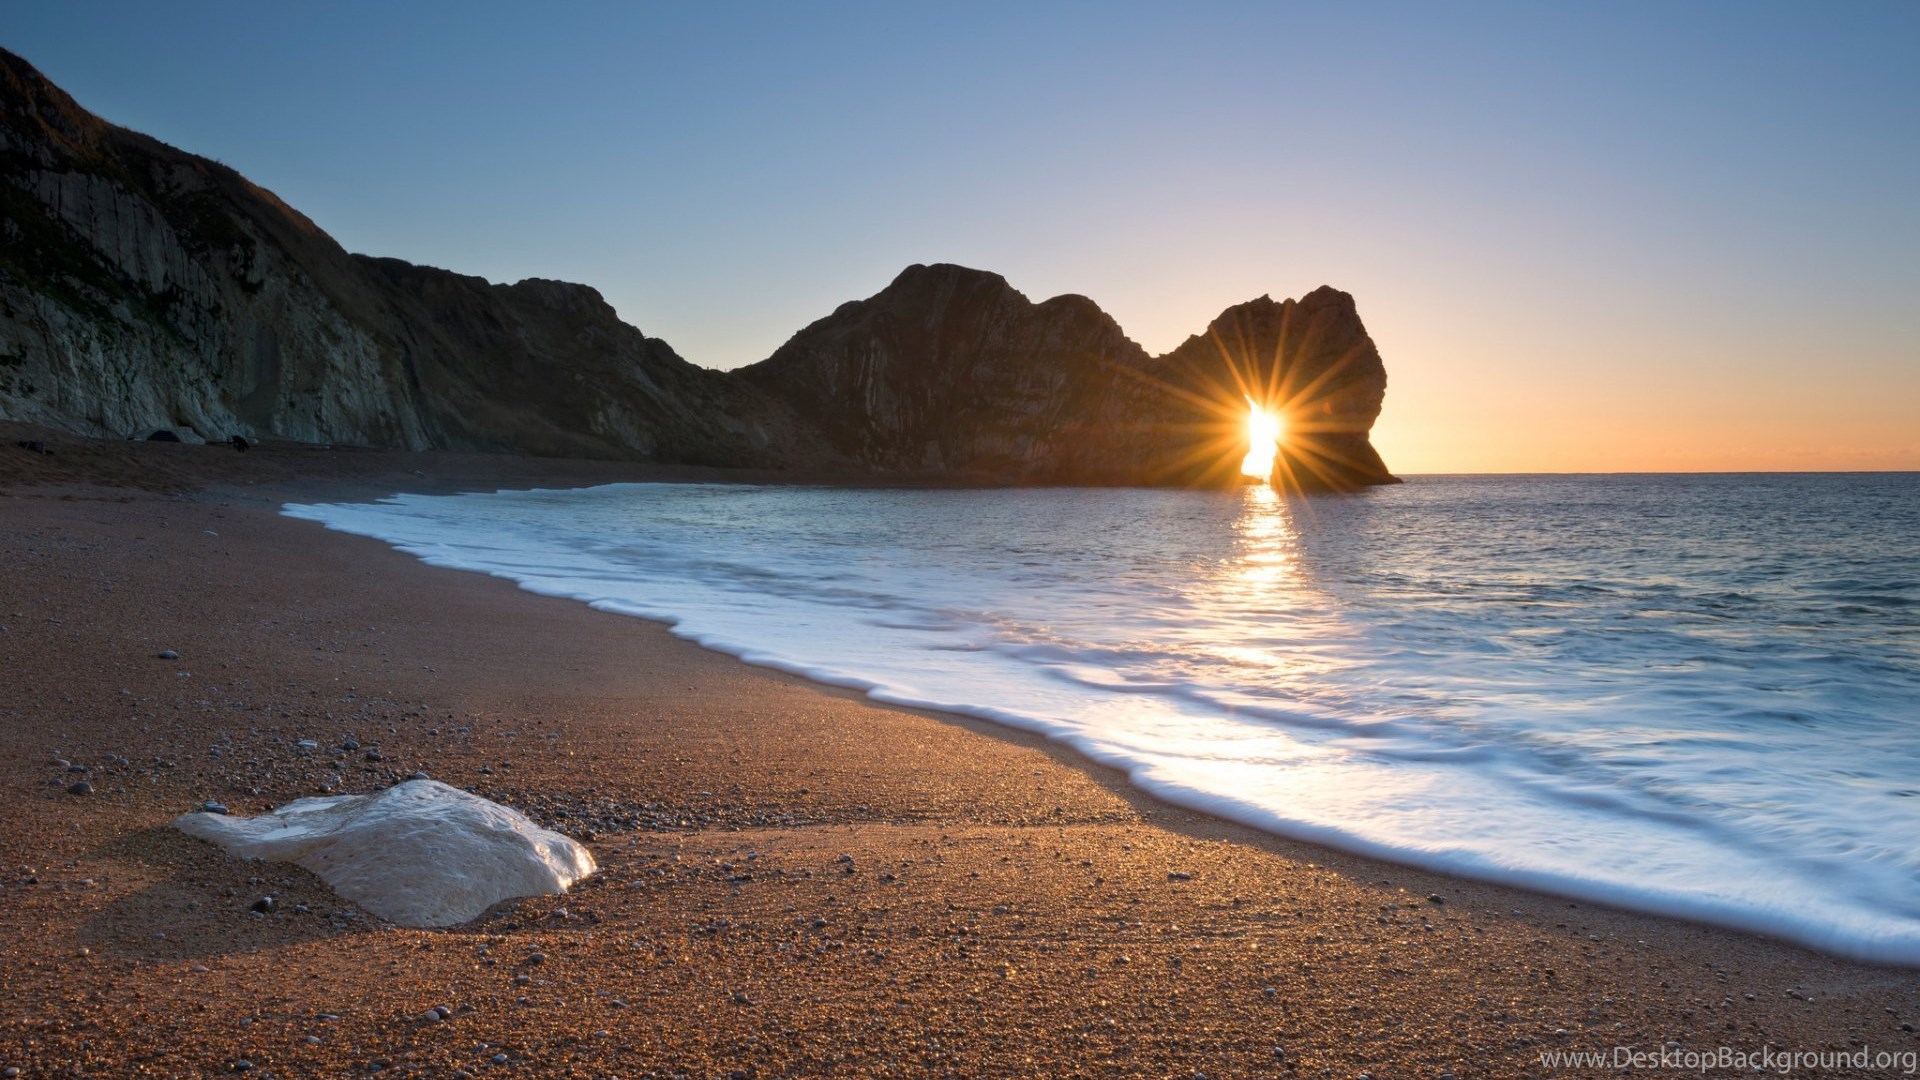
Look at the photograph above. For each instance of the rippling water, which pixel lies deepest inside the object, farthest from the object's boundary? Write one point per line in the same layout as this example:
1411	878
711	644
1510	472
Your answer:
1695	695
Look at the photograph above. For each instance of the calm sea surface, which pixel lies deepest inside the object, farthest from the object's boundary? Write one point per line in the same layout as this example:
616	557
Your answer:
1694	695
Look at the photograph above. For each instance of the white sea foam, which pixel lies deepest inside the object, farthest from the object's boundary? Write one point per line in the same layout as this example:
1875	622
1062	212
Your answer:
1692	696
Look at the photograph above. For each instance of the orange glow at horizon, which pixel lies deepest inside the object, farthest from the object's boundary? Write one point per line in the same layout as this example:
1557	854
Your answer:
1263	441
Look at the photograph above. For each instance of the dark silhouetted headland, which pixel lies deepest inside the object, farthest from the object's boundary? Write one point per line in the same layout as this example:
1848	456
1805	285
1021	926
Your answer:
144	288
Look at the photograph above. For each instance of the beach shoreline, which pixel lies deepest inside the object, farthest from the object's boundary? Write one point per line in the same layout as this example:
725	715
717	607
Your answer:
1009	908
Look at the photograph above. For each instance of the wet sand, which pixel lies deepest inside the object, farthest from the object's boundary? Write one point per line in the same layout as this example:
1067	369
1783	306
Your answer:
795	881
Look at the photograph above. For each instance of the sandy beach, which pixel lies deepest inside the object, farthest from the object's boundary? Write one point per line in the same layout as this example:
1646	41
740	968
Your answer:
795	881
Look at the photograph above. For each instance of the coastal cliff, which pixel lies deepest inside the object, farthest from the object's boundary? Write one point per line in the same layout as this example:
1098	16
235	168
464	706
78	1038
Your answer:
950	370
142	287
1310	360
146	288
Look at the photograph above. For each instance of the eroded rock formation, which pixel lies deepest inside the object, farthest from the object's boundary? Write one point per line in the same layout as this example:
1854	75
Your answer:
143	288
1309	360
950	370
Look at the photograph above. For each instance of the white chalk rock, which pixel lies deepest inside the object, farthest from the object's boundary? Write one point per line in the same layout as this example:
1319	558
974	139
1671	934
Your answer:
418	854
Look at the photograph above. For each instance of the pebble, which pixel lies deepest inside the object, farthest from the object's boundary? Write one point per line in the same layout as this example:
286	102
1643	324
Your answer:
313	1040
10	1071
350	744
537	958
421	776
62	763
167	654
81	788
1436	898
1179	875
499	1059
306	744
263	905
212	807
242	1065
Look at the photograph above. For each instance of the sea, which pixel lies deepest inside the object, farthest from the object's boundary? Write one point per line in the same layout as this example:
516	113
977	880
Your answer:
1690	695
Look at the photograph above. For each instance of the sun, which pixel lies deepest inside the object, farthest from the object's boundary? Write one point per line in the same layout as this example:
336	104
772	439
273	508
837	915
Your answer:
1264	430
1255	417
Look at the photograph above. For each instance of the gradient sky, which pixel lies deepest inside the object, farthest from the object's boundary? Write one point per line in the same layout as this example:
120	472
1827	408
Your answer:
1618	236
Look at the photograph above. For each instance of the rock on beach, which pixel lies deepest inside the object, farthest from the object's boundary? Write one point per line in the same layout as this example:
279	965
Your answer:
420	853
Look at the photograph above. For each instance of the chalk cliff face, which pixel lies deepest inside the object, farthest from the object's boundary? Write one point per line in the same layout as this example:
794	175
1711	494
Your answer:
142	287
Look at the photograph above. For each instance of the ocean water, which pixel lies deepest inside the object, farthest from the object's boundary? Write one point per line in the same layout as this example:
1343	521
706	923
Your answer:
1689	695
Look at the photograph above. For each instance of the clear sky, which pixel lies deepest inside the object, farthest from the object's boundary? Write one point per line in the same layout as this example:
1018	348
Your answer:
1606	236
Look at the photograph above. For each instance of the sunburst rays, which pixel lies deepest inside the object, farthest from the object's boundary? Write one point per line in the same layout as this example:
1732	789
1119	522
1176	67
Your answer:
1215	442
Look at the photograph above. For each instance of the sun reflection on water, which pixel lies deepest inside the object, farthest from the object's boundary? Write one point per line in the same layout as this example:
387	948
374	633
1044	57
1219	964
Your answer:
1265	538
1261	611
